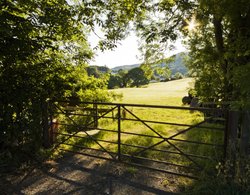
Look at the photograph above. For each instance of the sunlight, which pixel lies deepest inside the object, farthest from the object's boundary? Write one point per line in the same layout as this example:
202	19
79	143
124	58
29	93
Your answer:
191	25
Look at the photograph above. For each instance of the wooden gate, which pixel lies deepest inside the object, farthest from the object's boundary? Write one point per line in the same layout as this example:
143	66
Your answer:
182	141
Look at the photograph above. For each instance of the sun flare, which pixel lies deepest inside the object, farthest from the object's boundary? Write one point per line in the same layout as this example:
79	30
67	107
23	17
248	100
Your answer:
191	25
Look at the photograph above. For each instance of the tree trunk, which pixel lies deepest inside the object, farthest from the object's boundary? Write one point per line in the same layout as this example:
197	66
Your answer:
218	32
218	35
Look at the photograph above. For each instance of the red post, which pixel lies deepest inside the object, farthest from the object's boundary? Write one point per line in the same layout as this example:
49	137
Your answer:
45	124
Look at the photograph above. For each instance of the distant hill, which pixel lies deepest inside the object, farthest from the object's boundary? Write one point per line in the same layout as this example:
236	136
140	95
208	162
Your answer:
178	65
102	69
124	67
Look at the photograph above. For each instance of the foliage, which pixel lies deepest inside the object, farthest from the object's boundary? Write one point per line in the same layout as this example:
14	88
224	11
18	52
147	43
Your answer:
160	70
178	75
222	39
225	182
118	80
153	58
137	77
92	71
113	17
134	77
97	71
217	36
87	88
43	55
148	71
124	78
163	72
115	81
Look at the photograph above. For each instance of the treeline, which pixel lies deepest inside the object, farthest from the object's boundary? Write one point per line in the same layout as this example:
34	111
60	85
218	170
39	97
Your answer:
134	77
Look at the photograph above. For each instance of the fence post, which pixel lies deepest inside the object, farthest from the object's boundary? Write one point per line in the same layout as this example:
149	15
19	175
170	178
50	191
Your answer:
232	134
51	125
231	139
244	137
45	124
226	134
95	106
119	132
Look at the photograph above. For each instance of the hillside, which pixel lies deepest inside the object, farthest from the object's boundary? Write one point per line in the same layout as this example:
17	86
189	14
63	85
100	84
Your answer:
178	65
124	67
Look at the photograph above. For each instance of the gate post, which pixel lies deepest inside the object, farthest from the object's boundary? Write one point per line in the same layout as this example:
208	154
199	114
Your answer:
119	132
244	137
231	140
232	134
95	107
45	124
244	143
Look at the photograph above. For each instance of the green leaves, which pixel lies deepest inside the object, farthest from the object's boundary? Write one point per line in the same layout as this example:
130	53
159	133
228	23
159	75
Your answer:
137	77
43	55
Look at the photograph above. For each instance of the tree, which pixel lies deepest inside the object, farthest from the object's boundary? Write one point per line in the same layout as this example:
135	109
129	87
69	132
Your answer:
137	77
115	81
148	70
223	53
163	72
217	35
123	78
152	55
178	75
216	30
93	71
87	88
42	47
97	71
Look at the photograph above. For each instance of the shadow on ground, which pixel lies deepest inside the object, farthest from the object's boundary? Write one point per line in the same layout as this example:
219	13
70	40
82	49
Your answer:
78	174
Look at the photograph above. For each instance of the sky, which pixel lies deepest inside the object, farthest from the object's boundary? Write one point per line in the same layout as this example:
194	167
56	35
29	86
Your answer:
125	54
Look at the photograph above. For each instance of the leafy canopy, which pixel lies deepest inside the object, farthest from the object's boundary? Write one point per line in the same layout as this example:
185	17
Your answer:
216	34
43	55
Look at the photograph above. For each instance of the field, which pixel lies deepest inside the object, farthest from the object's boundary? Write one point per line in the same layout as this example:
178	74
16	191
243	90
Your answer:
163	93
77	172
136	132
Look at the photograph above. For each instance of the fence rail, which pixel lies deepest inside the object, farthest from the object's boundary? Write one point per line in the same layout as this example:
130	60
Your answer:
78	122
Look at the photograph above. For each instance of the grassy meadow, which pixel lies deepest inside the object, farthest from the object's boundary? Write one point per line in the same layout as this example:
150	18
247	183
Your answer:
162	93
167	94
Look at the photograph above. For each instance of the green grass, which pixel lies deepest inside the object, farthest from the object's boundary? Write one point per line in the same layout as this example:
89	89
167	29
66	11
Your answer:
170	94
163	93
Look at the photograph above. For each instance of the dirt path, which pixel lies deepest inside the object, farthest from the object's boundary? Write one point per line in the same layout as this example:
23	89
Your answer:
78	174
